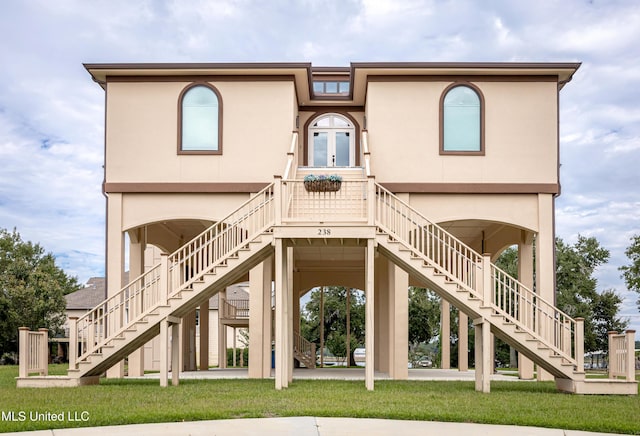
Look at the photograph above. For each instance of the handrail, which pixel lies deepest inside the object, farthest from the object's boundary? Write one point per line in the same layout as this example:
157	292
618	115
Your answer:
530	311
463	265
443	251
186	265
366	153
234	309
290	168
305	348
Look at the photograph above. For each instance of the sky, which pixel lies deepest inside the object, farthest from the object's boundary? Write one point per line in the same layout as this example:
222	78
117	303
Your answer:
52	114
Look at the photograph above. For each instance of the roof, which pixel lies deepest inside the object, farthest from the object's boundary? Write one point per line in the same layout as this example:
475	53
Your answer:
238	291
94	293
89	296
358	74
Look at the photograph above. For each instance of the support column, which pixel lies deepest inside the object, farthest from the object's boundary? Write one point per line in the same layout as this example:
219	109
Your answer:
463	341
382	327
203	364
369	314
222	332
175	354
290	308
137	247
445	333
483	355
525	276
281	371
260	319
188	355
545	260
115	260
164	353
399	287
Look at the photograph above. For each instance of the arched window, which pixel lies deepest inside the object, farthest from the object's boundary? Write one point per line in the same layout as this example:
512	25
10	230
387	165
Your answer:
200	117
461	125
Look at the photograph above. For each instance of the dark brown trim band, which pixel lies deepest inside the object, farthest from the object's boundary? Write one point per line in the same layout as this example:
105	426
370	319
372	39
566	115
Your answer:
183	188
473	188
205	78
461	77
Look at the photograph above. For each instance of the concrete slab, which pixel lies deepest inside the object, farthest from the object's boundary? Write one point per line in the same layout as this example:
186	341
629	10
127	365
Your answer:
310	426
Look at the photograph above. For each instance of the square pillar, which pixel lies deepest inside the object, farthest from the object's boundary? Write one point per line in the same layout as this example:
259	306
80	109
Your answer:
463	341
260	278
525	276
281	336
445	333
369	314
115	260
399	317
382	326
137	247
222	332
483	355
545	260
203	364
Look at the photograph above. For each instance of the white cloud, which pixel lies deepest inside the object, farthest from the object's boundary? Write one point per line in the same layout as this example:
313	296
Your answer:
51	114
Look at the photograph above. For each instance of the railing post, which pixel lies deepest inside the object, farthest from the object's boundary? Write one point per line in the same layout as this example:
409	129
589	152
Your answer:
612	353
164	277
43	353
277	199
579	338
487	288
371	200
23	352
73	341
630	337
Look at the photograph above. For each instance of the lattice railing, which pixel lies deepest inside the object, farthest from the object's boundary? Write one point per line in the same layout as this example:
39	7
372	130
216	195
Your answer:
33	352
622	355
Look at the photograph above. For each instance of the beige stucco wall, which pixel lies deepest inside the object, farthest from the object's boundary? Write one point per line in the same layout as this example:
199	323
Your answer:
520	134
520	210
142	133
141	209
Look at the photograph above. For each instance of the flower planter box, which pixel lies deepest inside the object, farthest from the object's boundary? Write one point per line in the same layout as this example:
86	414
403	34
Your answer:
322	185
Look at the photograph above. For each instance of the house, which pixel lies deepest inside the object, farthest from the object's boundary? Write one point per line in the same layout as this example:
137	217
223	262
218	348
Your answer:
437	168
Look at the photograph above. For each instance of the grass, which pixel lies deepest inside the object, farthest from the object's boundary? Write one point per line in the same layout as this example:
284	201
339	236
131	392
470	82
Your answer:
114	402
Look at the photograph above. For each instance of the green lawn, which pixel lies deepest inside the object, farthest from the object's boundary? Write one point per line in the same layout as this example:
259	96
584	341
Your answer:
115	402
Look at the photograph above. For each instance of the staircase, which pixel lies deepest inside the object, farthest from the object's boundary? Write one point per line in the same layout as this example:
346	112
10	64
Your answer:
469	281
304	351
229	249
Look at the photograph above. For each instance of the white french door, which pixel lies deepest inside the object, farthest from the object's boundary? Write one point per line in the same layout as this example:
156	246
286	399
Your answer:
331	142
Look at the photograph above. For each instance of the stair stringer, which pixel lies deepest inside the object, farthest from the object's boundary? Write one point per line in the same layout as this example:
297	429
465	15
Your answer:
178	305
525	342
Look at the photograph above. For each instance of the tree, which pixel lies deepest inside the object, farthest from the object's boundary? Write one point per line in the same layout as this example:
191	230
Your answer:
576	288
32	289
424	319
605	317
631	272
335	319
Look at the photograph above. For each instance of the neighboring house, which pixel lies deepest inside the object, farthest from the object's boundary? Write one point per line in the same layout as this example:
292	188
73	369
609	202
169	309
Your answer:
443	166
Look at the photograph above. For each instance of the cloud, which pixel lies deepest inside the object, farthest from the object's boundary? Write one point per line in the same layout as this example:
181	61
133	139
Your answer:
51	114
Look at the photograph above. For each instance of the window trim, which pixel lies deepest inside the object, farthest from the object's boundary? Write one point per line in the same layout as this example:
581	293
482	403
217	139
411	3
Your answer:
180	99
478	92
319	113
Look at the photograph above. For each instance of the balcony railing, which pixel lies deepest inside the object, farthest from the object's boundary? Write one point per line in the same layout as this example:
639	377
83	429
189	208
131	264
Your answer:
348	204
234	309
